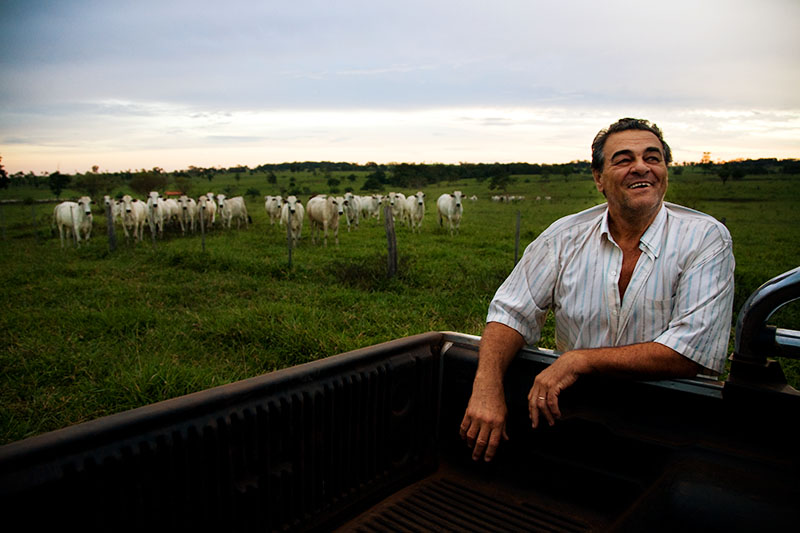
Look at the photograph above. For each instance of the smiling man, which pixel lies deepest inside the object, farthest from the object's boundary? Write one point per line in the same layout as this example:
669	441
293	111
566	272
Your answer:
639	287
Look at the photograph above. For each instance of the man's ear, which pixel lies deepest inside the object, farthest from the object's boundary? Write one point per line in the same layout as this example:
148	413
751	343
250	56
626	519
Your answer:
597	181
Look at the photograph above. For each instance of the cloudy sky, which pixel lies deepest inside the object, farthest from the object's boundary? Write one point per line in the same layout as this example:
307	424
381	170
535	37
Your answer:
129	85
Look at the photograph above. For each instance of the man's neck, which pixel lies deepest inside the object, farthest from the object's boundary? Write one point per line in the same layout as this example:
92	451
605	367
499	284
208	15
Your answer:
627	228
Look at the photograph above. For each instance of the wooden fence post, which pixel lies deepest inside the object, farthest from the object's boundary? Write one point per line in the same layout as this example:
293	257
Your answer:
289	236
203	226
112	238
391	240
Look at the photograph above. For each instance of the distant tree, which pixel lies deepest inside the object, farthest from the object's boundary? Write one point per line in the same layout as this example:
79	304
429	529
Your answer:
378	175
373	184
4	179
252	193
183	184
58	182
272	179
501	182
148	180
333	183
724	172
790	166
94	184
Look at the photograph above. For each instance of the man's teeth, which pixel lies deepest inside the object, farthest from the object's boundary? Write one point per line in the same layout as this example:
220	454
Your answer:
639	185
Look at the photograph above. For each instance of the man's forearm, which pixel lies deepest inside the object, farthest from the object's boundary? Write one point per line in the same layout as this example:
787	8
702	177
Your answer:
499	345
648	360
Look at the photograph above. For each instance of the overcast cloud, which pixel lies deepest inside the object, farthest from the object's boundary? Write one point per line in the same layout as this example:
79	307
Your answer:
173	84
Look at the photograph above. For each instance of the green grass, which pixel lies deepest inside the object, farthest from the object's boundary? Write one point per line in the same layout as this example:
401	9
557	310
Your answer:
88	332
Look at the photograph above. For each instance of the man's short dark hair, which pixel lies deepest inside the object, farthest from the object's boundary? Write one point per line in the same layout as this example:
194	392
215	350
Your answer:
625	124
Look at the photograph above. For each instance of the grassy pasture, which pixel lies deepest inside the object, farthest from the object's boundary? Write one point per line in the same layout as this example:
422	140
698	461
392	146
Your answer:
88	332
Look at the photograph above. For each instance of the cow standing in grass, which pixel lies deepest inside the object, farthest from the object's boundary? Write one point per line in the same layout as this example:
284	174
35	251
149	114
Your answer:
324	213
415	211
133	214
371	206
450	207
116	208
155	213
188	213
75	216
172	211
352	209
292	213
230	208
273	206
397	201
208	209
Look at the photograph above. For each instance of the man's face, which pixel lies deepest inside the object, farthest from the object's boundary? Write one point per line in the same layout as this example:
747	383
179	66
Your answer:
634	176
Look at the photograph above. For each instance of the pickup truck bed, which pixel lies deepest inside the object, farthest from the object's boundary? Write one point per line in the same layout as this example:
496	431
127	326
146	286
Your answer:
368	441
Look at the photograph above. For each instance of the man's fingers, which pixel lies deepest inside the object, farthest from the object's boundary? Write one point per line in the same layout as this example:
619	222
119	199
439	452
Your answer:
481	444
543	404
464	428
552	405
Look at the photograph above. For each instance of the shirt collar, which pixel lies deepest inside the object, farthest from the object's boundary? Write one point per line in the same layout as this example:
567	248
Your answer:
651	240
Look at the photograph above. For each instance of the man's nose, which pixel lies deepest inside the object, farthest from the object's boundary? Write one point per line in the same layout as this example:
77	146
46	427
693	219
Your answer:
640	167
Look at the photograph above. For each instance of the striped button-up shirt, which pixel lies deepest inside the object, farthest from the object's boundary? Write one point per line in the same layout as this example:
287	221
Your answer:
680	294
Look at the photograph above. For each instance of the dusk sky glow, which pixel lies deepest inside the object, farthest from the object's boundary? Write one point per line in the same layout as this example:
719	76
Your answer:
129	85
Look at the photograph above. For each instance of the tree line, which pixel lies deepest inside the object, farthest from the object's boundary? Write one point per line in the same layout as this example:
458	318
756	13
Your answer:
378	176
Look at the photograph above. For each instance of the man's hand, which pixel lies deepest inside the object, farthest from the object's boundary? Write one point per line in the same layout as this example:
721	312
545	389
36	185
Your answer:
649	360
484	422
543	397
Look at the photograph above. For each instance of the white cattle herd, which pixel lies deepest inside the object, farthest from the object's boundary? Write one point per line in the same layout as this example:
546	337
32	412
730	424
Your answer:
211	210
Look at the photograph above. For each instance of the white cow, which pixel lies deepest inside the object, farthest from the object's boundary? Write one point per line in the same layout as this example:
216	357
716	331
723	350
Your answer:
116	208
415	211
352	209
213	207
292	213
324	213
77	216
172	211
155	213
134	214
450	207
272	204
230	208
206	209
371	206
398	202
188	213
